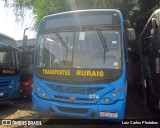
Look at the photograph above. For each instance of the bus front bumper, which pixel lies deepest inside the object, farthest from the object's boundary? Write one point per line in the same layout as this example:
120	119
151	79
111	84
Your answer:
92	111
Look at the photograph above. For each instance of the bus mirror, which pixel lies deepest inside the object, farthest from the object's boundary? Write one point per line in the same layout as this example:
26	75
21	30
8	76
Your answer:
25	38
131	35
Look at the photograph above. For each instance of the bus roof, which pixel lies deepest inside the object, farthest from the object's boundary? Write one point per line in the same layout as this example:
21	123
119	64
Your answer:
81	17
86	10
7	40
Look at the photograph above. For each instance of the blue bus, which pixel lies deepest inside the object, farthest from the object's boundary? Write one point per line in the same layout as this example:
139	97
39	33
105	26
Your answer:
9	68
80	64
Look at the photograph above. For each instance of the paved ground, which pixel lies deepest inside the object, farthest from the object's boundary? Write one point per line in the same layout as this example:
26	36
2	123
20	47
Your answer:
22	109
136	109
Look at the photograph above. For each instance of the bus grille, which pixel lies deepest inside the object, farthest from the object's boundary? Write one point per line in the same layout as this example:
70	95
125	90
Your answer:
73	110
79	94
74	90
4	89
4	85
67	98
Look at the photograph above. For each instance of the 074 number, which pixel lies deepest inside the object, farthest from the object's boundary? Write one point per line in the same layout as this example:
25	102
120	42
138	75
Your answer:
93	96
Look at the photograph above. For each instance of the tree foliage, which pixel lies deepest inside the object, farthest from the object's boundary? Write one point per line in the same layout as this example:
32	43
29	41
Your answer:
132	9
39	8
145	9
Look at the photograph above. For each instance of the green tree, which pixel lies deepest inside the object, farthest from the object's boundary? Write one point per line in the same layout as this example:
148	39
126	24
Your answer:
46	7
144	10
41	8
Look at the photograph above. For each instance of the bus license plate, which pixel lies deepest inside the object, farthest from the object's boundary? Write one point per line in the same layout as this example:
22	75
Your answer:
109	114
1	94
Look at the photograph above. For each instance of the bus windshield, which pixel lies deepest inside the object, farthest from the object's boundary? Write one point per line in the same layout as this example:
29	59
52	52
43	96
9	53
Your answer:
8	57
80	49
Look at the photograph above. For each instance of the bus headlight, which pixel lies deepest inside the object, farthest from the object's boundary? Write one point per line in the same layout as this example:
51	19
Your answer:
40	92
107	100
114	94
37	88
43	94
111	97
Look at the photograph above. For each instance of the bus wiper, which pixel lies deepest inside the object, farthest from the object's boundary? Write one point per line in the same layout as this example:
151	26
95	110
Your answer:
61	39
103	41
62	42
